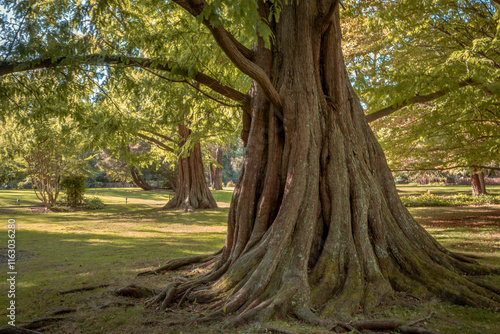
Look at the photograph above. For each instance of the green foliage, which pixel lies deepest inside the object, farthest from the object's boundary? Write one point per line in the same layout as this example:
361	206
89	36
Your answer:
429	199
397	50
114	105
75	189
93	202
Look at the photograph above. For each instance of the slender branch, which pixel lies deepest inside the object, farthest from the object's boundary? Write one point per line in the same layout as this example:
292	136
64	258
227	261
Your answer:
230	47
196	86
414	100
155	141
11	46
99	60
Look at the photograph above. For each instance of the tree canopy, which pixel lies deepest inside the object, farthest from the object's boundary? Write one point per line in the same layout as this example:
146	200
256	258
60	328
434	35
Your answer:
432	71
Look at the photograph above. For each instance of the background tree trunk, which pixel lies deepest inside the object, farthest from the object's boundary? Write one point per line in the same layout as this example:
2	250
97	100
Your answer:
139	180
191	190
315	219
216	172
477	182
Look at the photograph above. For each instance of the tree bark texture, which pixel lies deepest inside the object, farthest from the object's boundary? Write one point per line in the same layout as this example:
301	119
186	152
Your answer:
216	172
139	180
315	220
191	191
477	182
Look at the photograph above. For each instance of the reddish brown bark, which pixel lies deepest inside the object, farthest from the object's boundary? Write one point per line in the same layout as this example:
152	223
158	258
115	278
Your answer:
477	182
139	180
315	219
191	190
216	172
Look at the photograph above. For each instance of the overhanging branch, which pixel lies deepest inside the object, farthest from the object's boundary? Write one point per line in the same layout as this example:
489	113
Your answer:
414	100
156	142
167	138
99	60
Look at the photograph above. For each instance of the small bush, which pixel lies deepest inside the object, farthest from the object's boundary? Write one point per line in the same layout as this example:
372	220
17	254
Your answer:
75	188
25	185
448	200
93	202
230	184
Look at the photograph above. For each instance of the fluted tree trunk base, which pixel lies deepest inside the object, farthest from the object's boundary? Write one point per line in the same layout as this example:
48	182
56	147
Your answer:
315	220
192	190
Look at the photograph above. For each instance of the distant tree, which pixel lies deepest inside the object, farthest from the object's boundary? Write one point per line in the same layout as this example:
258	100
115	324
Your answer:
216	167
45	152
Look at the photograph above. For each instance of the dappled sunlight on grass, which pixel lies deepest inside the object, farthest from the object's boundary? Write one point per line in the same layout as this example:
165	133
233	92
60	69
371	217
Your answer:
69	250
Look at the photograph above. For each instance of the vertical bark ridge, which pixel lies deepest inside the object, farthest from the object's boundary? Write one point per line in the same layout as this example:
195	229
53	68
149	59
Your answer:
316	219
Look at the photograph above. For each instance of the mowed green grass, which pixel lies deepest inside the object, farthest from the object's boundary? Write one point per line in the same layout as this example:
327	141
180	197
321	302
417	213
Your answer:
67	250
443	190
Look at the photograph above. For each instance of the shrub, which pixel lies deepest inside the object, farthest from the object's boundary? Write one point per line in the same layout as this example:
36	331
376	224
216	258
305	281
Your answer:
25	185
230	184
75	188
93	202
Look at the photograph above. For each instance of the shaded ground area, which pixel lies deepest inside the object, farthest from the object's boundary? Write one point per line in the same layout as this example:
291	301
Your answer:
68	250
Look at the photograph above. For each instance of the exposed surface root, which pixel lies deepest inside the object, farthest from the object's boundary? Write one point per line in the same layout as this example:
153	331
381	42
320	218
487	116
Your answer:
44	322
16	330
134	291
64	311
395	325
165	297
86	288
179	263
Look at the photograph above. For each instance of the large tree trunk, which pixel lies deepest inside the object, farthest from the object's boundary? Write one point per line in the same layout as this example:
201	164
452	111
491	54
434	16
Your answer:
216	172
191	191
315	219
477	182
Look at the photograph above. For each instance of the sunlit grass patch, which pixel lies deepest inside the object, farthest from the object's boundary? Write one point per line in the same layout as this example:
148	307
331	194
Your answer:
68	250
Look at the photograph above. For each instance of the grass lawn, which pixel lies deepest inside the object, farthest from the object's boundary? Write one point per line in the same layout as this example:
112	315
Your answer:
68	250
442	190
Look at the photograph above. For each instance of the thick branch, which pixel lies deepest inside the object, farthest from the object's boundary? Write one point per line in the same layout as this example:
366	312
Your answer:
155	141
416	99
98	60
230	47
195	7
328	18
159	135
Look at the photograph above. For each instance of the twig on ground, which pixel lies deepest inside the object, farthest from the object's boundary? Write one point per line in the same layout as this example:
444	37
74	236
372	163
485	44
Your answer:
275	330
413	323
